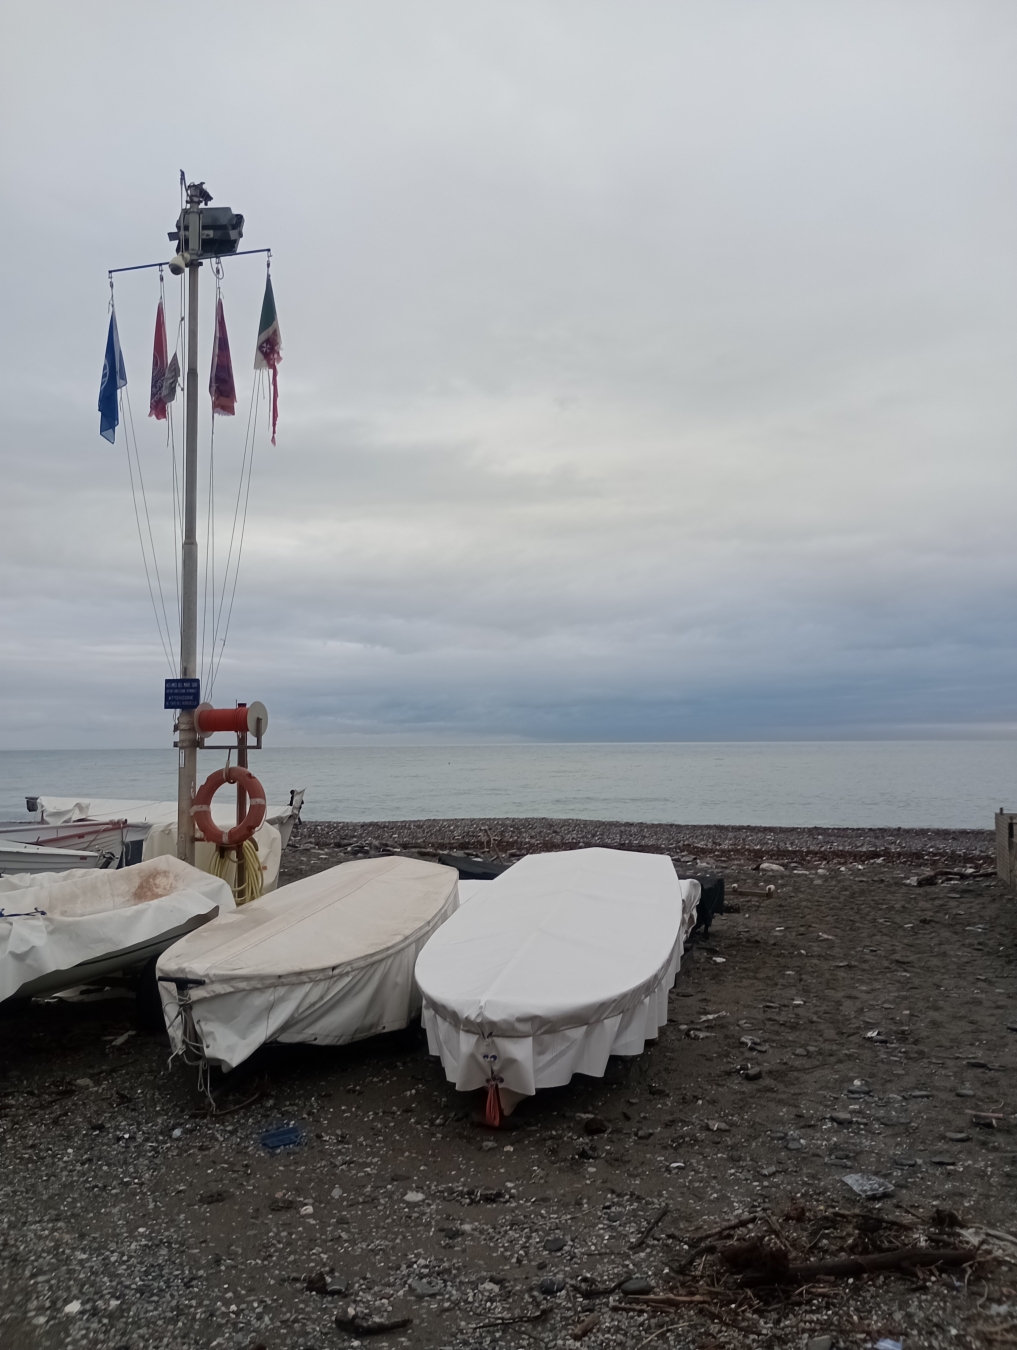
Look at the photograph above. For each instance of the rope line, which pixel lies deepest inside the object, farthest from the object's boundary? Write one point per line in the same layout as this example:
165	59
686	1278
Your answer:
247	463
257	394
166	649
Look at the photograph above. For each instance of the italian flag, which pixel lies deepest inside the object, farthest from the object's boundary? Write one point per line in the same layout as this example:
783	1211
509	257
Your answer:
269	349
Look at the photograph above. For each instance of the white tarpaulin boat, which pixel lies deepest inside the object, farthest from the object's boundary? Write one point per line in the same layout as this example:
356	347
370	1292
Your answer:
559	963
59	931
327	959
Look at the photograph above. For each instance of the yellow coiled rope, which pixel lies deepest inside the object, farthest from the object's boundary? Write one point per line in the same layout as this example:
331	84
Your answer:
224	865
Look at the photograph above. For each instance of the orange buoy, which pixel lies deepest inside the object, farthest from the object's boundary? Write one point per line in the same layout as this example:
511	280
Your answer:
201	809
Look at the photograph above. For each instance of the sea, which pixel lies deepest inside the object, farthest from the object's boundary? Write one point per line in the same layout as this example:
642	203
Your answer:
930	784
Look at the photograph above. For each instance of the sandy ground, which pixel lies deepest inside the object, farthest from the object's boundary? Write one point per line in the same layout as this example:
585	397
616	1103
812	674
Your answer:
881	1018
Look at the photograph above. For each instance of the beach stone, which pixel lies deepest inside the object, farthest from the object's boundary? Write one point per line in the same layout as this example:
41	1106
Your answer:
752	1075
551	1285
958	1137
595	1125
819	1343
423	1288
964	1092
637	1286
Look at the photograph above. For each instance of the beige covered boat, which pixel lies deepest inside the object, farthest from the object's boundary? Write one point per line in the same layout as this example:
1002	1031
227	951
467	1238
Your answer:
327	959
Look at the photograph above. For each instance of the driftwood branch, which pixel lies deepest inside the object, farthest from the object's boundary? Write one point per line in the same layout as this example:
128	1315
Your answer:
662	1302
779	1270
507	1321
357	1326
650	1227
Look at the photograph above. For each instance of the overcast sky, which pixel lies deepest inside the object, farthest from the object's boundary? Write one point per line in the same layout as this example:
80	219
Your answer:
650	370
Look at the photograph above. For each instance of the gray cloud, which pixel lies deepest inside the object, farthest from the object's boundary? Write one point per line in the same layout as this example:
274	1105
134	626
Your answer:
648	368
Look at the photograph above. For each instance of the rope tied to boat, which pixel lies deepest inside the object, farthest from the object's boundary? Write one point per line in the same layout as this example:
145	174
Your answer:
191	1051
492	1107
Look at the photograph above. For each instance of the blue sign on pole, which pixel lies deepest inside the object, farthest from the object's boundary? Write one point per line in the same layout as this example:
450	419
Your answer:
182	695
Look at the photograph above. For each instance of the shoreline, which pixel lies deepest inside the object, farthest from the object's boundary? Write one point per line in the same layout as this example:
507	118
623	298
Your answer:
697	845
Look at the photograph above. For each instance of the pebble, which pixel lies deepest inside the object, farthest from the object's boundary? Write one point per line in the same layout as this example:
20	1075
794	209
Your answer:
958	1137
637	1286
413	1197
555	1244
551	1285
819	1343
423	1288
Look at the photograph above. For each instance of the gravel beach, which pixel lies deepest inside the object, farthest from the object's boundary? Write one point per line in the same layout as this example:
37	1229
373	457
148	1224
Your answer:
859	1020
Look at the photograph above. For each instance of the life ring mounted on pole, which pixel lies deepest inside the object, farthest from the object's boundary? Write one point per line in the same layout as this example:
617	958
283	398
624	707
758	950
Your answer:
201	809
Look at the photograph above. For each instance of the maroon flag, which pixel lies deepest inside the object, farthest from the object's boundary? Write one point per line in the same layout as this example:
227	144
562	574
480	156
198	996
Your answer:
157	402
220	382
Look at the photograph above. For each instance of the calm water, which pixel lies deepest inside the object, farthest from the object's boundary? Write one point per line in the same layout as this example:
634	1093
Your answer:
920	783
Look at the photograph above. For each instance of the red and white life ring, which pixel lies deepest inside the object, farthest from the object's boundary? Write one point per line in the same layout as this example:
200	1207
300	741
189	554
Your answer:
201	809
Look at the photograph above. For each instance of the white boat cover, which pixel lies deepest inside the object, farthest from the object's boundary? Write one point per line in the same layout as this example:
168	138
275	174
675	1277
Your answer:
469	887
559	963
327	959
52	925
161	839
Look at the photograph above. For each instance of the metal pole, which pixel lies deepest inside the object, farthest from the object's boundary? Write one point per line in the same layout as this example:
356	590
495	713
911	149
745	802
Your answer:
187	741
241	807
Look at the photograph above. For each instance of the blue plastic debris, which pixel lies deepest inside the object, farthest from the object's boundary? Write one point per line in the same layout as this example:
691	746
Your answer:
887	1344
282	1136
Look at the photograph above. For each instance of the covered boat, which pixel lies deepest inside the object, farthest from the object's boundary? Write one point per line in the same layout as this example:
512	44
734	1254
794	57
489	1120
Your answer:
559	963
75	927
17	858
150	827
327	959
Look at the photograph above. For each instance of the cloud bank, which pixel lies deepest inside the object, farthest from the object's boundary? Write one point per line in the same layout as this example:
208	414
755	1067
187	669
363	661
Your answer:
648	369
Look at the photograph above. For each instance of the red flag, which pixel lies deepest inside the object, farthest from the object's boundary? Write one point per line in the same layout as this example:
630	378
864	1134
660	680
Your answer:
220	381
157	404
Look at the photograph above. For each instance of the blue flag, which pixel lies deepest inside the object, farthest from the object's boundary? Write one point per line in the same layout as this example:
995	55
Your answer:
114	377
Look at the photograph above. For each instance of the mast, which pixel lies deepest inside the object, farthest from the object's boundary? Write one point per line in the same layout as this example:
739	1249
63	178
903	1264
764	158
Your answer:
187	773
